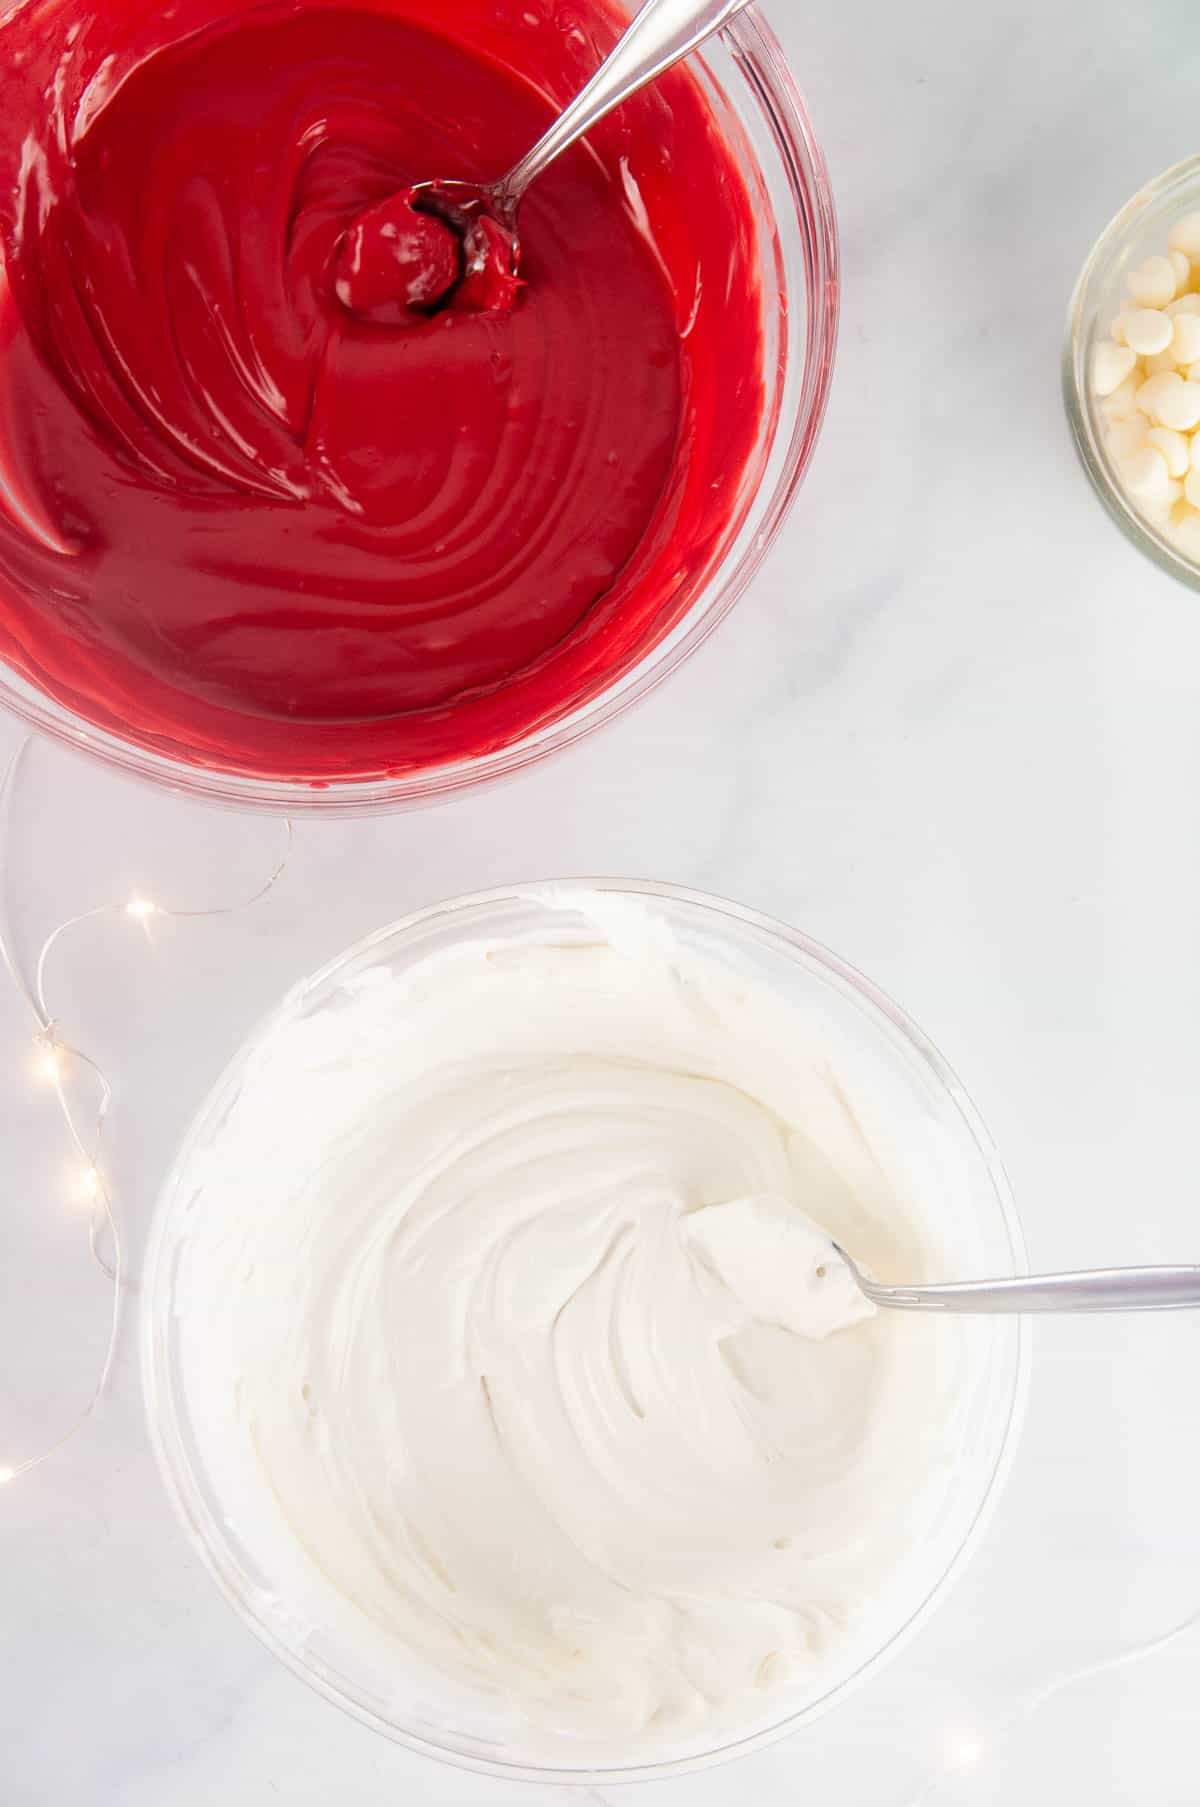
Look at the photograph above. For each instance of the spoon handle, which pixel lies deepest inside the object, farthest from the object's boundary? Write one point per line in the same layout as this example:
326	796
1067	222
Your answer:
662	33
1100	1289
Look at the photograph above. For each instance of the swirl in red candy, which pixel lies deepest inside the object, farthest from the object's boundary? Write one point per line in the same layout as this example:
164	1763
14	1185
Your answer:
295	480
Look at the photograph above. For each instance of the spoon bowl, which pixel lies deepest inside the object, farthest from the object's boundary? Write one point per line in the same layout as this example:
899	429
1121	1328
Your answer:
483	216
461	203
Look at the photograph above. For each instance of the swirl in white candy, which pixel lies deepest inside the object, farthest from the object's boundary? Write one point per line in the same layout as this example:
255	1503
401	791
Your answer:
506	1293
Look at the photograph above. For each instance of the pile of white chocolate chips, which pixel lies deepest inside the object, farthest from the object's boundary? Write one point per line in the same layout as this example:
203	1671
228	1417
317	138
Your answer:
1146	375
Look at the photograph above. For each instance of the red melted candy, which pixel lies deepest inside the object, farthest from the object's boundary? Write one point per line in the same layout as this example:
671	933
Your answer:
396	259
268	530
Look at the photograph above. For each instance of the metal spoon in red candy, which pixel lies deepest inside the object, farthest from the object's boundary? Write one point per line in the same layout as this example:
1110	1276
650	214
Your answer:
443	239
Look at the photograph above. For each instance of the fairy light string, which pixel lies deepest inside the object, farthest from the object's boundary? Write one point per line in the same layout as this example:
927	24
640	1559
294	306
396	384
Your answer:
965	1753
58	1061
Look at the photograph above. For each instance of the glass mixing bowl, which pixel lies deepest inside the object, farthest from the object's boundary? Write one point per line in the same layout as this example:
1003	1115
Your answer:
1139	231
947	1162
753	94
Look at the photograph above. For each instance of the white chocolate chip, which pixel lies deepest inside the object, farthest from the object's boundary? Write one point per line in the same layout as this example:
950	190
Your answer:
1125	437
1170	401
1146	475
1185	409
1175	448
1185	338
1152	284
1183	304
1147	331
1194	454
1111	364
1191	488
1181	263
1157	508
1124	400
1185	530
1185	236
1155	390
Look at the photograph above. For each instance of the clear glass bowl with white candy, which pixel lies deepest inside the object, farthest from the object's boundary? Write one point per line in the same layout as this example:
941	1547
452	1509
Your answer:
1132	369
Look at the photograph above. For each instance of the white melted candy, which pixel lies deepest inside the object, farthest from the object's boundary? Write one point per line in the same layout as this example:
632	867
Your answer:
511	1304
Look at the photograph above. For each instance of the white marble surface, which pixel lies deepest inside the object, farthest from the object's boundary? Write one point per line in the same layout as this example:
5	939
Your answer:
953	732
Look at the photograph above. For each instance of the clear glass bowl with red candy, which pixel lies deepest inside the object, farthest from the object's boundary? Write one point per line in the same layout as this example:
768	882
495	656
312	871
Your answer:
407	734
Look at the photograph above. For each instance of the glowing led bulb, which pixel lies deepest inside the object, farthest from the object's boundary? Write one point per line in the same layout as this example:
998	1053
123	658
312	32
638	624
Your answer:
88	1184
53	1063
963	1753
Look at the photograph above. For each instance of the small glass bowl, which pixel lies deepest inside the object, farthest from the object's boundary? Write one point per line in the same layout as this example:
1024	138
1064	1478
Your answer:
746	78
949	1165
1139	231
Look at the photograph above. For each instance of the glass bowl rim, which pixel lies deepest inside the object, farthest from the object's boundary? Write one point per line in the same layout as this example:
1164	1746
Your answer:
768	81
734	919
1076	391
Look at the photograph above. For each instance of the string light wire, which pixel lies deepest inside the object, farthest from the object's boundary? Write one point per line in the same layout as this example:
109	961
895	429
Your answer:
57	1059
957	1757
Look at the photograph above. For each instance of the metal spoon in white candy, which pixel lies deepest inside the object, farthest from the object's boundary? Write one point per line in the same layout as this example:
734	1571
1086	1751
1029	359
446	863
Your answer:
784	1269
1083	1289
